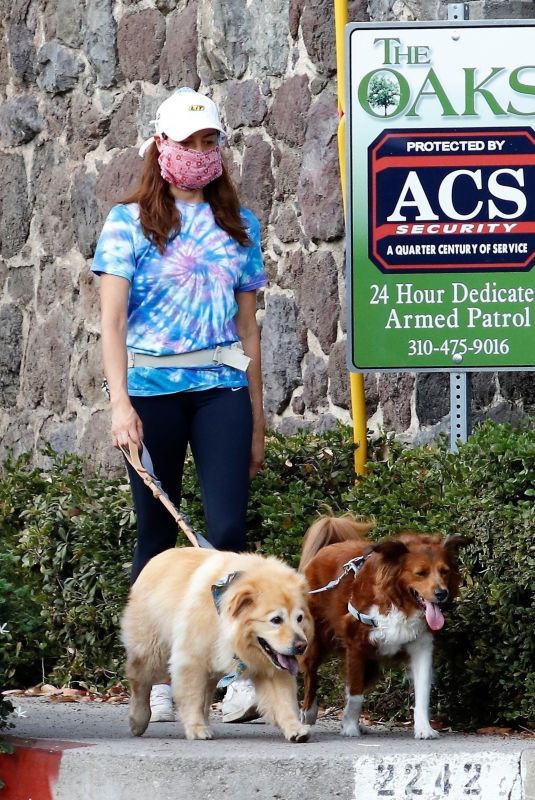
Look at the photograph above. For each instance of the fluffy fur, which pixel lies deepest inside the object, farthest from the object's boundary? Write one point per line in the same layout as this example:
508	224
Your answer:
171	627
401	586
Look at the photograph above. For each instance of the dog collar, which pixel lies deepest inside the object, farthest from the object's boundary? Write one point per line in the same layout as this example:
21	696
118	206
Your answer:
364	618
230	677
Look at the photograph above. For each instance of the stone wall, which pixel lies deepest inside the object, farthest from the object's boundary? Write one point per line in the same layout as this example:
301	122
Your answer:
79	80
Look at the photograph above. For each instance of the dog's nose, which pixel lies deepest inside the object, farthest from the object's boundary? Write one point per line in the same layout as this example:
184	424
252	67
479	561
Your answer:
441	595
299	647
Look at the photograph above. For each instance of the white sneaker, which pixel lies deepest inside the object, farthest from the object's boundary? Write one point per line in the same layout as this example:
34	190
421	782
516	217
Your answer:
161	703
239	703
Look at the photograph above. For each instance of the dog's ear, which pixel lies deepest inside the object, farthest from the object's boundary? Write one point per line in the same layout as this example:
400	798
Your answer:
390	550
303	584
241	599
454	542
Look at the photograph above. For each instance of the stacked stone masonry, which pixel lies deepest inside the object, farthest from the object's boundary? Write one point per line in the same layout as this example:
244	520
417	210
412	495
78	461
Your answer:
79	82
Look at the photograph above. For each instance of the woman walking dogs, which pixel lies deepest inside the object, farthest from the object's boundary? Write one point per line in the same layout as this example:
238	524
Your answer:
180	264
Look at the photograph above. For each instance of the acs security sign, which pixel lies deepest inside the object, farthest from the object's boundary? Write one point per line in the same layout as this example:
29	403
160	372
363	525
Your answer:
452	200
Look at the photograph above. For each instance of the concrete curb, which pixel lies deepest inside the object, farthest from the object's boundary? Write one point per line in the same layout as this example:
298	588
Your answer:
98	759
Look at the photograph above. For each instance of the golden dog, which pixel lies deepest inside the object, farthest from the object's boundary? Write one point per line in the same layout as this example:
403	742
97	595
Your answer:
199	614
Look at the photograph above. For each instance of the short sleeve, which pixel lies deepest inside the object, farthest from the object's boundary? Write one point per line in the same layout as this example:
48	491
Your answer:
115	252
253	274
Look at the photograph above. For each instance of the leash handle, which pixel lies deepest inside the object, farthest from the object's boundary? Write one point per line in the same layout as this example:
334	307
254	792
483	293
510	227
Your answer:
132	456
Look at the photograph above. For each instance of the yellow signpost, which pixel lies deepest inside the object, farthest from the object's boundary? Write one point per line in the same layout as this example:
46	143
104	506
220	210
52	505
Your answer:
356	379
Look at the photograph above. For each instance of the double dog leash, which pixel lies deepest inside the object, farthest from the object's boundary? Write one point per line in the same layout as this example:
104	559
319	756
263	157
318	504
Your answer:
141	462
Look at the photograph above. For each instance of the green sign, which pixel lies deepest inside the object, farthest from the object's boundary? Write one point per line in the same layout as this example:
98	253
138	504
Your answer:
441	196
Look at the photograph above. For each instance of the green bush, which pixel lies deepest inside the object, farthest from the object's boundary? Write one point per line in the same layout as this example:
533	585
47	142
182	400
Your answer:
74	542
68	542
304	475
21	626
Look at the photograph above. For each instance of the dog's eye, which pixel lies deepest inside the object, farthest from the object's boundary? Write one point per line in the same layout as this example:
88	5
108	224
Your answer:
300	617
423	573
276	620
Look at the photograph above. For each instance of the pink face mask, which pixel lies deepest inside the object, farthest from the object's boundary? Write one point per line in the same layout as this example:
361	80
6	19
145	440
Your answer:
188	169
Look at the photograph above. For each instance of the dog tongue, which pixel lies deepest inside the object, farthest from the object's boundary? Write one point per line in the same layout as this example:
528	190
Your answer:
434	616
288	662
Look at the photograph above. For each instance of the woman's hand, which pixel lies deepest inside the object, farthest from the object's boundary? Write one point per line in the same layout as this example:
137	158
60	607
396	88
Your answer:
257	451
126	425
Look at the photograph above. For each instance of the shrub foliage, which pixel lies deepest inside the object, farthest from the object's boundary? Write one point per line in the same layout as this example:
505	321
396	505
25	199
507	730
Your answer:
68	539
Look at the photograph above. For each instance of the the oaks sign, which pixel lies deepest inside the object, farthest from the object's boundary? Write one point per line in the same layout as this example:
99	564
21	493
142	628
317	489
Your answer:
441	211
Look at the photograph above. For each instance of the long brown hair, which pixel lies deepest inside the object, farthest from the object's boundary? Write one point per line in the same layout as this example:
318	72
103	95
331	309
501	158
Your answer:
160	218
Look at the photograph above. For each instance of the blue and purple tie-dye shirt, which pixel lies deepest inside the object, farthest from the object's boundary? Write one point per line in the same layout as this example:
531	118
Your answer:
182	300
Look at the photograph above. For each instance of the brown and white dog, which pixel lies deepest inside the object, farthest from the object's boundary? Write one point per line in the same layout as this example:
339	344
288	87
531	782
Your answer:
387	604
200	614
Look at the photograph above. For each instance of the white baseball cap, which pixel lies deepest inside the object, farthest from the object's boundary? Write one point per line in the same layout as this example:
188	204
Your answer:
183	113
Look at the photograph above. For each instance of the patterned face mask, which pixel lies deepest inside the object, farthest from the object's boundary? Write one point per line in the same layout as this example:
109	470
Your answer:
188	169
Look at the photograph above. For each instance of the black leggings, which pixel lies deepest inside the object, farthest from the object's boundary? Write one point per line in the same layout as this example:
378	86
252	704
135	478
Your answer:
217	424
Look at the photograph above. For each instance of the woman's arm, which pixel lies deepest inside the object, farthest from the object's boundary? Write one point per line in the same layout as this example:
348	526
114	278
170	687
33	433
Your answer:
125	423
249	334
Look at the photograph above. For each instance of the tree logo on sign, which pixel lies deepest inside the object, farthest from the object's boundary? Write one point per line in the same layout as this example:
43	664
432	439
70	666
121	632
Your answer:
382	93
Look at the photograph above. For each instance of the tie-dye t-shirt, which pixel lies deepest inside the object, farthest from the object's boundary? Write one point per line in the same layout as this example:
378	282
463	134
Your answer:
182	300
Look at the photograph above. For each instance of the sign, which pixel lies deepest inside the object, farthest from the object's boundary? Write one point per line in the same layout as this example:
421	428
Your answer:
441	199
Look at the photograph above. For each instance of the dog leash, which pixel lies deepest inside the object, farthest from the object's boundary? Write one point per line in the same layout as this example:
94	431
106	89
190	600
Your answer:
354	566
142	464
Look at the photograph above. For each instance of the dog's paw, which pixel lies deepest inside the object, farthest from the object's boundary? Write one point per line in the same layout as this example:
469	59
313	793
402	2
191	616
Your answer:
137	728
302	734
198	732
425	732
308	716
350	727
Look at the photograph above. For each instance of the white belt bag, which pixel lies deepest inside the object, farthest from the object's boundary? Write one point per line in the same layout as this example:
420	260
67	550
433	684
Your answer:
230	355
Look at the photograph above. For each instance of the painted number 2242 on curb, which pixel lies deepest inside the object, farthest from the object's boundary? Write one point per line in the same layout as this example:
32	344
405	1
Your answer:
416	782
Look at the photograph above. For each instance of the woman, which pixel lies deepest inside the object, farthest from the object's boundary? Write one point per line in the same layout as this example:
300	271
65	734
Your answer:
180	264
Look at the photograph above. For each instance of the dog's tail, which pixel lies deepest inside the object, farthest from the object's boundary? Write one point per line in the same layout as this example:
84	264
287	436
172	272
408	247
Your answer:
330	530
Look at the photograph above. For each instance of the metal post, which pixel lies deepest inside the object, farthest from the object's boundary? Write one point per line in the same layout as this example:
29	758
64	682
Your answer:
460	388
460	397
458	11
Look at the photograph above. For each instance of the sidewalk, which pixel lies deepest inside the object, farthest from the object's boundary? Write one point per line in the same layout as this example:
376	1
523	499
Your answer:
84	751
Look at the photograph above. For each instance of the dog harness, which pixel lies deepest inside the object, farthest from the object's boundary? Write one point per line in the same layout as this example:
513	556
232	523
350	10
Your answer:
218	589
354	566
